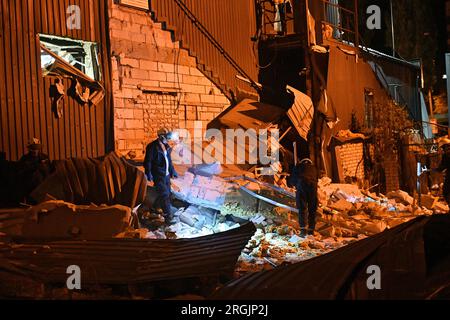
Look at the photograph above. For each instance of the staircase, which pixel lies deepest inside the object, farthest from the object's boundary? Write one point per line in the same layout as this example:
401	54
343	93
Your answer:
218	34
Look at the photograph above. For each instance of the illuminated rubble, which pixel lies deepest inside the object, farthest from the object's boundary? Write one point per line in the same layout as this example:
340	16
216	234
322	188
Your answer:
347	214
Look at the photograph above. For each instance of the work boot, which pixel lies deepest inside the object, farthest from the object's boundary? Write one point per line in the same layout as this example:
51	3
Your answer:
170	219
302	233
311	232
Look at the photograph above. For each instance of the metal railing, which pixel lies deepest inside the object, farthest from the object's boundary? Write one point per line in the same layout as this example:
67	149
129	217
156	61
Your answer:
341	21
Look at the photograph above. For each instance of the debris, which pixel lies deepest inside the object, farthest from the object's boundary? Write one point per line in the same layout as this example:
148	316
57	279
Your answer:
342	205
207	170
428	201
441	207
295	239
61	220
402	196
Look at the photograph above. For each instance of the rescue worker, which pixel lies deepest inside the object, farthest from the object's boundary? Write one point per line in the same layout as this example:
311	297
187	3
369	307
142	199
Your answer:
34	167
159	169
304	178
35	156
445	166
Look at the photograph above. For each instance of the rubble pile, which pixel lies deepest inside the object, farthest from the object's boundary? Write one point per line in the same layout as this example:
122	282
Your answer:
191	222
347	214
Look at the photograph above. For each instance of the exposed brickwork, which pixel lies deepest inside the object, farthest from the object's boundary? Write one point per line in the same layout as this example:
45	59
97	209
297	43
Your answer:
155	83
351	159
391	170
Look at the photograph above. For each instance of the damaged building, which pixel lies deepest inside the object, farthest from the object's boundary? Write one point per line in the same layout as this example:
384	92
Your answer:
94	81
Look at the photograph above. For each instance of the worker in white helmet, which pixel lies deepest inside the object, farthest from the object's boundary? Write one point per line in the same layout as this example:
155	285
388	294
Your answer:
159	169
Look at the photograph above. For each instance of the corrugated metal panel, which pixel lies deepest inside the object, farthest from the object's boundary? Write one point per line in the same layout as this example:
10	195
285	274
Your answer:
301	113
231	22
413	258
25	104
123	261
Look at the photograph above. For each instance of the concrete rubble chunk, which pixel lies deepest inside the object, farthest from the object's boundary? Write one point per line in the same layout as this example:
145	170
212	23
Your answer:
428	201
342	205
402	196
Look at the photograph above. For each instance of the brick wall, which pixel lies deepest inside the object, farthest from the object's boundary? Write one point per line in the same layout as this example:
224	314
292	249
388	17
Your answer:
391	171
155	83
351	159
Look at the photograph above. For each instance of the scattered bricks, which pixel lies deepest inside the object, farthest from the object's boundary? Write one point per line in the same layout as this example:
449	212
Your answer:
428	201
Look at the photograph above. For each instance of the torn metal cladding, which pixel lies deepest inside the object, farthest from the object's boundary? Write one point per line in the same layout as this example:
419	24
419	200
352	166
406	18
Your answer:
413	259
126	261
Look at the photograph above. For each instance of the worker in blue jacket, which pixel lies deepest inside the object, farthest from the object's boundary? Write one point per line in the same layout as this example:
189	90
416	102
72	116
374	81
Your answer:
159	169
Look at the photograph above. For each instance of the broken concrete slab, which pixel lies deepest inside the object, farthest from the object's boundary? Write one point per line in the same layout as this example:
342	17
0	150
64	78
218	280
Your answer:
402	196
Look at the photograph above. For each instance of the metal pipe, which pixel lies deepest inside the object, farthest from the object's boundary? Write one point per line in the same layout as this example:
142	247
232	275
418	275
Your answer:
392	29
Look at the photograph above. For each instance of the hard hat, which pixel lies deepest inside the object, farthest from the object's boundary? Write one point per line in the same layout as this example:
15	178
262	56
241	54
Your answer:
163	132
444	142
305	160
34	144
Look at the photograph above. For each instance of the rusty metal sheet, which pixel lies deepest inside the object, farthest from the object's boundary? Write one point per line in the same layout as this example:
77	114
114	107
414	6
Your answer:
231	23
125	261
25	102
109	180
301	113
414	259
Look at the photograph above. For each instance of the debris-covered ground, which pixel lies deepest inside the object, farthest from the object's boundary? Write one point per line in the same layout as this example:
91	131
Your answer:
347	214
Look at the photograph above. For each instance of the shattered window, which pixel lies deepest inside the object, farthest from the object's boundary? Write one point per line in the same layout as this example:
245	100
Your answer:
82	55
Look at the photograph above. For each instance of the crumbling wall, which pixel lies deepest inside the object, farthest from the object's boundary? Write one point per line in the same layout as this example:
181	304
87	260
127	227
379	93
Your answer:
352	160
155	83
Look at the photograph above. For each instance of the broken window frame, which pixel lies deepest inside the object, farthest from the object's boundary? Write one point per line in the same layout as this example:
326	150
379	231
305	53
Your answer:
90	50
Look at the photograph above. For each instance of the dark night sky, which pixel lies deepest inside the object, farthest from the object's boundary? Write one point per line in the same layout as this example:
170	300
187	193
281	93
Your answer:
420	33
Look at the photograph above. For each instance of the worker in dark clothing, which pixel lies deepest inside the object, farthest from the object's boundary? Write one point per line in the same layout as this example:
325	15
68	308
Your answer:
34	167
445	166
304	178
159	169
34	157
